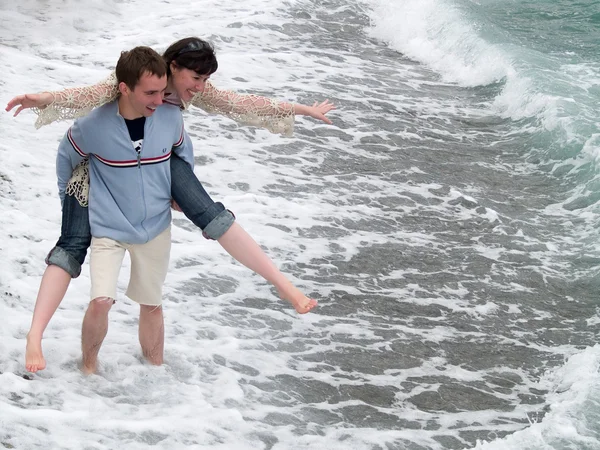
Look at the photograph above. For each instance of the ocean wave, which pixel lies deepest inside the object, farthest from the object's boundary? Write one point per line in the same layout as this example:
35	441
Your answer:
574	409
438	34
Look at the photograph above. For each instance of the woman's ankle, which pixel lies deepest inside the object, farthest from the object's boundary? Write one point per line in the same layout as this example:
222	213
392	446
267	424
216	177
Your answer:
34	336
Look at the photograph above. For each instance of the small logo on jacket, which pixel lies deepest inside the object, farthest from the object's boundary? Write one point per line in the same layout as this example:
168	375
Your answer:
164	150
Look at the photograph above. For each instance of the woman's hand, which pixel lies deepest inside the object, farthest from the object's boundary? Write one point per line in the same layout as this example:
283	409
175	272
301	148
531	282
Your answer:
25	101
175	206
316	111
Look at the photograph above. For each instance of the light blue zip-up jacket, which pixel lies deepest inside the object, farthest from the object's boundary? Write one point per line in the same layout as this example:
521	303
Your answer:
130	194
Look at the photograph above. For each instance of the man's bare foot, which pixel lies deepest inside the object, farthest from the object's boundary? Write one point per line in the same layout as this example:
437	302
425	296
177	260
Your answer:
89	369
301	303
34	358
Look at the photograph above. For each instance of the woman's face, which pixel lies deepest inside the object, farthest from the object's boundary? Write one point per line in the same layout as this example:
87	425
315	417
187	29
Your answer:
186	82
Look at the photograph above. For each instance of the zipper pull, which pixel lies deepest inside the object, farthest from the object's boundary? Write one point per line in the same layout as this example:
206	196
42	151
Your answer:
139	159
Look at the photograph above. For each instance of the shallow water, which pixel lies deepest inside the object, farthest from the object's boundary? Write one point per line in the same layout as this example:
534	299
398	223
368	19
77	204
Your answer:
446	223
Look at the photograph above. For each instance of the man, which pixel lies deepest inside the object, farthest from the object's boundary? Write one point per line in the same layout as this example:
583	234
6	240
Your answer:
129	143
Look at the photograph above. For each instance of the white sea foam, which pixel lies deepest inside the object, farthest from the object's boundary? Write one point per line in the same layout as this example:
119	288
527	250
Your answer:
574	409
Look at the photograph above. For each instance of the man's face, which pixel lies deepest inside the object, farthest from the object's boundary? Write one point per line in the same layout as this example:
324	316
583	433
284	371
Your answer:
147	94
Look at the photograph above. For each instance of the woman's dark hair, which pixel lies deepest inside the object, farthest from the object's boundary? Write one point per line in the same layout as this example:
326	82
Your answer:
192	53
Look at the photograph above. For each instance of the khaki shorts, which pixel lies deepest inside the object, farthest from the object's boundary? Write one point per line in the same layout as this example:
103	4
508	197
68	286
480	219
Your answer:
149	265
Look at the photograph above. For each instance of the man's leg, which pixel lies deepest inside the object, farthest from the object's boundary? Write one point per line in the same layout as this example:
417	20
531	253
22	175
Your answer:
152	333
93	332
149	266
64	262
105	263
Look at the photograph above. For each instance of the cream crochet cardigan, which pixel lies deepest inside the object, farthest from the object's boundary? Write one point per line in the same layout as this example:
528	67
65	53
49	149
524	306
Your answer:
246	109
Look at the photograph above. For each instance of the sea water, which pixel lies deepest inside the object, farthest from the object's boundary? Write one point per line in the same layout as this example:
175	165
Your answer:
447	223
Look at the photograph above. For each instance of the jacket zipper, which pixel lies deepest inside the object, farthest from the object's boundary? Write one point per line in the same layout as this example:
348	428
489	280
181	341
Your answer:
139	164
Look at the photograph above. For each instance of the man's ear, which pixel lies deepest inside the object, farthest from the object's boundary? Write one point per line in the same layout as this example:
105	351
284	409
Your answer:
124	89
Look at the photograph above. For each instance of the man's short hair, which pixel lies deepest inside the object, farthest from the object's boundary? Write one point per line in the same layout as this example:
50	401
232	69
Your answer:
133	64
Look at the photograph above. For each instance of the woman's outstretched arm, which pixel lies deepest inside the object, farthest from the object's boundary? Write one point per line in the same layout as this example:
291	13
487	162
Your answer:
66	104
250	109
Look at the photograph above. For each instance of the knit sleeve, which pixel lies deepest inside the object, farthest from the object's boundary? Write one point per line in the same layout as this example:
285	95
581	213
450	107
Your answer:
76	102
247	109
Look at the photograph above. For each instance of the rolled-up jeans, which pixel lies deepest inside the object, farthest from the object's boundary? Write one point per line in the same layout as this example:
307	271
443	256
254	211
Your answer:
210	216
75	238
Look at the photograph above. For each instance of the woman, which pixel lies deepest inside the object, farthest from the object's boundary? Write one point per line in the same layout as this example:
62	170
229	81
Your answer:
190	63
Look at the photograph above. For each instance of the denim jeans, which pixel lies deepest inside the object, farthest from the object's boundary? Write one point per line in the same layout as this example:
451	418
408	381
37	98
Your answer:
212	218
75	238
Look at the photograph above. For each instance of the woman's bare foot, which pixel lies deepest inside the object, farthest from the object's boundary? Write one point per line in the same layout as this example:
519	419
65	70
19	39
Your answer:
301	303
34	358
